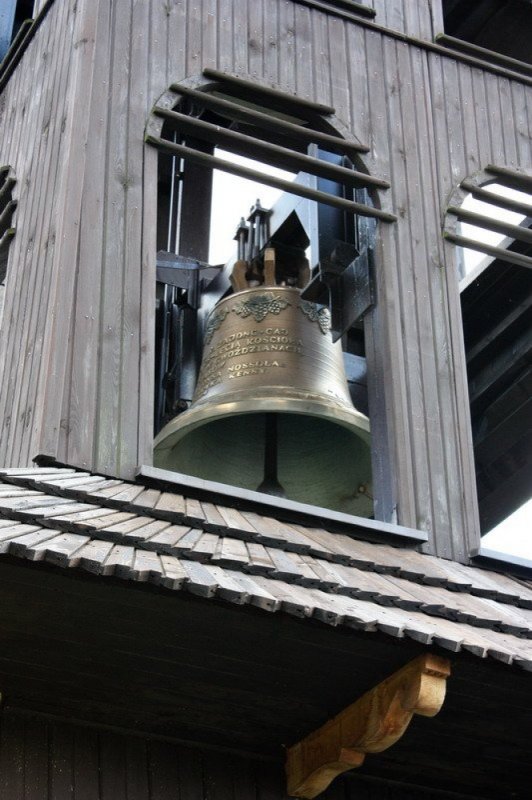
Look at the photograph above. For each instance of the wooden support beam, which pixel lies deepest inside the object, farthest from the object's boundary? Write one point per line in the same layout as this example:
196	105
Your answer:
370	725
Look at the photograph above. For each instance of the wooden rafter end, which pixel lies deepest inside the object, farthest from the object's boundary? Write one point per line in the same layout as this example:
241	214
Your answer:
371	724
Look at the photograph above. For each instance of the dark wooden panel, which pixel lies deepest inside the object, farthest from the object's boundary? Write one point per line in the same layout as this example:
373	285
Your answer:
200	671
164	771
36	747
61	773
85	767
12	757
97	764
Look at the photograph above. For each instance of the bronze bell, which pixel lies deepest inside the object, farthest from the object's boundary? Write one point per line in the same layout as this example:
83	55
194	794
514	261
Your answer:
272	410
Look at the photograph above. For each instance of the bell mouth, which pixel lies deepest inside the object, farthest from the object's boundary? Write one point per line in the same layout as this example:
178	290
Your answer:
323	453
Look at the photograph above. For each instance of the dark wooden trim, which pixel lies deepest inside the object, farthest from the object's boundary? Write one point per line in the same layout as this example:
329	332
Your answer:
286	509
499	329
499	365
286	186
484	53
284	157
31	713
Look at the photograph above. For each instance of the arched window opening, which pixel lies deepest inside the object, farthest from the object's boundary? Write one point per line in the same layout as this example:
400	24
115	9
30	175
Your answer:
7	230
310	227
491	221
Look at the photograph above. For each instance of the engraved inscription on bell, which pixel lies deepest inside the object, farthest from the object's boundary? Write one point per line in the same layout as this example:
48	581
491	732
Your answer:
258	336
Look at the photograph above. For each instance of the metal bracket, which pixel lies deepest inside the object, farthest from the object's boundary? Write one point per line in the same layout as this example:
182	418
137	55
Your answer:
185	273
345	283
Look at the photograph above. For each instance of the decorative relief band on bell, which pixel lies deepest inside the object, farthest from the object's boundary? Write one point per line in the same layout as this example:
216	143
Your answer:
214	322
320	315
260	306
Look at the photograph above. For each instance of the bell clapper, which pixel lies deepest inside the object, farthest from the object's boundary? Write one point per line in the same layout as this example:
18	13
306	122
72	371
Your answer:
270	483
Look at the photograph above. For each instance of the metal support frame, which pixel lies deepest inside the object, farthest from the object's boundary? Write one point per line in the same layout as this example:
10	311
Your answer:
177	331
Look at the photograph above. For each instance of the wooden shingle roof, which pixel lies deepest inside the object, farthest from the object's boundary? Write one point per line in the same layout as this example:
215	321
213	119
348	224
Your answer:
110	527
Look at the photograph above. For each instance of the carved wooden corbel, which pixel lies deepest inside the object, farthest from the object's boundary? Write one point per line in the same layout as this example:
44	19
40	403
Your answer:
370	725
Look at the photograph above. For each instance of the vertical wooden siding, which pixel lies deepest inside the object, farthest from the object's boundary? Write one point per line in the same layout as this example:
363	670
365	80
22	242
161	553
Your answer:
81	287
48	760
38	108
415	18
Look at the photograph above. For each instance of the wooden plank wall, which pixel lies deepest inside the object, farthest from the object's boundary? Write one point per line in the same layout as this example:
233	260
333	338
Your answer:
38	106
77	336
414	18
42	759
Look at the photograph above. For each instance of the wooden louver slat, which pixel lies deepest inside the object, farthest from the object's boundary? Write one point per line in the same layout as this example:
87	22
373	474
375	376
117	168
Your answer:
297	104
204	159
6	237
7	206
498	252
512	178
235	111
7	213
489	223
284	157
508	203
5	190
259	148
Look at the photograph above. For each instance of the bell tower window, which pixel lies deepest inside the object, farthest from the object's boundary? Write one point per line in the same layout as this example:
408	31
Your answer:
314	241
490	221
